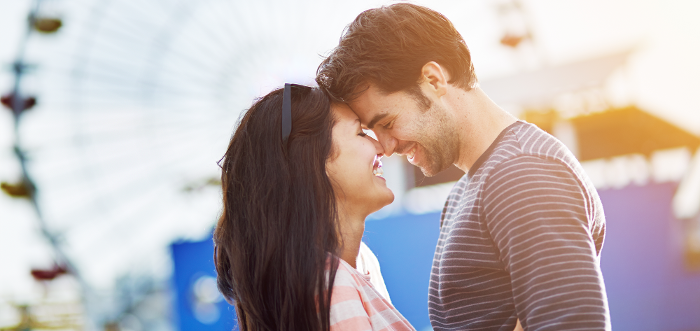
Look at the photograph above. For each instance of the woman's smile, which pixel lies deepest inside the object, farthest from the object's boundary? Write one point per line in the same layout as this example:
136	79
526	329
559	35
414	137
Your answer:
356	168
377	166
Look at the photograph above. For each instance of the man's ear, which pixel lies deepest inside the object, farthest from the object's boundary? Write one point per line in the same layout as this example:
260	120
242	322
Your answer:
436	77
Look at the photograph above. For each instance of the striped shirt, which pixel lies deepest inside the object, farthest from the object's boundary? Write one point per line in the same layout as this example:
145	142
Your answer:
356	305
520	238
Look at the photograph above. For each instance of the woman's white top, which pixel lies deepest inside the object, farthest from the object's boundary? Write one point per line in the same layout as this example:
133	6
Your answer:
368	265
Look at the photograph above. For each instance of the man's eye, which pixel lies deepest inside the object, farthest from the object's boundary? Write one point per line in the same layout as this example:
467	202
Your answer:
388	125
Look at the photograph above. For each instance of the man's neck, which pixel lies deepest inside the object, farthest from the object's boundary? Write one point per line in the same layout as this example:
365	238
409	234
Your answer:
483	121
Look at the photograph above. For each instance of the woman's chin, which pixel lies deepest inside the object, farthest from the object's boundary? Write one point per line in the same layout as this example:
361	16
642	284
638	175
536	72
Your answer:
390	197
382	199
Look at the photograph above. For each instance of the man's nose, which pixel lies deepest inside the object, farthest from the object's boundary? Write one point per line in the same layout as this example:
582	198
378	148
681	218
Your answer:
388	142
379	149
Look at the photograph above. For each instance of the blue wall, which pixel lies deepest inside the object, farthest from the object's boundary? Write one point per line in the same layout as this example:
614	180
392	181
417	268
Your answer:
404	246
648	286
193	261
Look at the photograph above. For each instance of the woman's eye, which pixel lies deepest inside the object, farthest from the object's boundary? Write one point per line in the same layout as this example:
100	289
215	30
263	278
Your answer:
362	134
370	133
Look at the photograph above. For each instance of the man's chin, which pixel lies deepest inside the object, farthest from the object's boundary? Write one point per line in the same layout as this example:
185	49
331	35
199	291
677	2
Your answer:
429	172
433	169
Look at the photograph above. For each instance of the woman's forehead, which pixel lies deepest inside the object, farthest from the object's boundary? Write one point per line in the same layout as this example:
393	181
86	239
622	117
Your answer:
344	115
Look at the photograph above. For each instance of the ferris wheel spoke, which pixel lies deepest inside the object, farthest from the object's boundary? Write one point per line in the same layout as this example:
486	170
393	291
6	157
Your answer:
112	12
129	221
213	31
108	89
149	95
134	232
182	129
108	74
216	16
200	43
173	140
133	189
114	49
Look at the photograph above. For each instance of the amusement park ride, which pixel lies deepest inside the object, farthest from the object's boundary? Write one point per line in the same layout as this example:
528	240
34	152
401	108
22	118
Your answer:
139	100
48	314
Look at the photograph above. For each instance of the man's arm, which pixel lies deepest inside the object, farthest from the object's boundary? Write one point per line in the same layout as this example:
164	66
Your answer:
536	213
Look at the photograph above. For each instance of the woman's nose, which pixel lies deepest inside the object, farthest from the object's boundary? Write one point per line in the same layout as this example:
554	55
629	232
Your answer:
378	147
387	142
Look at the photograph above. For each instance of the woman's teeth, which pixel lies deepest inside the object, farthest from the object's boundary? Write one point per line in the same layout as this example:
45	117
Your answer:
377	167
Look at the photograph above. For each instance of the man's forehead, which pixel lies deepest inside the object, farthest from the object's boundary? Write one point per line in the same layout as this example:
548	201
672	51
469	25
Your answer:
369	115
368	106
367	93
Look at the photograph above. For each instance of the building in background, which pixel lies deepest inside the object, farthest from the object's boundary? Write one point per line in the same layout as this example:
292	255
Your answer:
197	303
650	260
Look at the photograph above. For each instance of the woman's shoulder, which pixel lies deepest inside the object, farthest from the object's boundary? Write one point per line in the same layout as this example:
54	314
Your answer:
350	284
347	276
355	304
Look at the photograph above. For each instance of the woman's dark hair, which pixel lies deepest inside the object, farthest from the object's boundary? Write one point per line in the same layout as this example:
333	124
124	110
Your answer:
388	46
277	240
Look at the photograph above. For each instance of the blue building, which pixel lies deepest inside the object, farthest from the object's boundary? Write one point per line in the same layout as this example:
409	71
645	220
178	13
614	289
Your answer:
649	284
650	259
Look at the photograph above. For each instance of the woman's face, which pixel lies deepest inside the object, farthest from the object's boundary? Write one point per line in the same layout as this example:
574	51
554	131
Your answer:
354	163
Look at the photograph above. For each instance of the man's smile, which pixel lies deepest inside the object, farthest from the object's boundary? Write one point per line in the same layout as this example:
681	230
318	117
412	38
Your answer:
411	155
409	152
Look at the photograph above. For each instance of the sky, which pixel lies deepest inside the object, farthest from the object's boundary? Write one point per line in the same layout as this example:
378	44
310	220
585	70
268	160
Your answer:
139	98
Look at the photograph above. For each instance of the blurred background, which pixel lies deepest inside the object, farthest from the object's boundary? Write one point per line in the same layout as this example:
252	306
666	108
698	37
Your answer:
114	114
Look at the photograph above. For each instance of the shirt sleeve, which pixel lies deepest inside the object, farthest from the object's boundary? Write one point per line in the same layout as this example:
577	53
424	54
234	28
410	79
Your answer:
535	211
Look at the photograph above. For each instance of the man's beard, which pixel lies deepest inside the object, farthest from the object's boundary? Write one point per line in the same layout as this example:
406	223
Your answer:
440	142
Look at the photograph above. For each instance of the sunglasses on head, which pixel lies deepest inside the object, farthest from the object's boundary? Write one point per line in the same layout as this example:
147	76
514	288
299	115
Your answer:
286	112
287	109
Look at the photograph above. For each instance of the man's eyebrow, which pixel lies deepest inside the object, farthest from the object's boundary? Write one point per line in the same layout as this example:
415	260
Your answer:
376	119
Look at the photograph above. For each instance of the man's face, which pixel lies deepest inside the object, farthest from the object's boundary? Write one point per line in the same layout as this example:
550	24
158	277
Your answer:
428	137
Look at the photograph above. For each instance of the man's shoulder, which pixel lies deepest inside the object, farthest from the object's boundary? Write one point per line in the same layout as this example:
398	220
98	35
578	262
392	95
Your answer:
505	148
525	138
536	142
524	145
514	142
520	147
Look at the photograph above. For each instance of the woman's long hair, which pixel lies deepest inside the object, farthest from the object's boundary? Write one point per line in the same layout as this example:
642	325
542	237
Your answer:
279	219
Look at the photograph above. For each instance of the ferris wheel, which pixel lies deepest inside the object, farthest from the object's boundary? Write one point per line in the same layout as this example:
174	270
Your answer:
137	101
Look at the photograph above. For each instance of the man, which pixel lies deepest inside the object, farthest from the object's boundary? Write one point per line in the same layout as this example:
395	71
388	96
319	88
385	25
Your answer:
521	232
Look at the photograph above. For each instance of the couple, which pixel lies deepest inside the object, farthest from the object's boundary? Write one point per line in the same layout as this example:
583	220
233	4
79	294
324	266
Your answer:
520	234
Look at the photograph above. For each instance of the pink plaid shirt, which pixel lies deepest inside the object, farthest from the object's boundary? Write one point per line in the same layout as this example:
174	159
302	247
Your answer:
356	305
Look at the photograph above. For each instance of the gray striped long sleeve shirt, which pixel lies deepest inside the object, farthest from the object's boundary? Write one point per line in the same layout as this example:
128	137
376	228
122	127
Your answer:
520	238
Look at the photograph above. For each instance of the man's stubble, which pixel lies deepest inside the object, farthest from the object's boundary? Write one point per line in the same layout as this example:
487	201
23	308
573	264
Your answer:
439	140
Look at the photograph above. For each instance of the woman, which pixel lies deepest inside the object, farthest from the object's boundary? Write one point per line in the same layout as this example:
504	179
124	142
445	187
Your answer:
299	179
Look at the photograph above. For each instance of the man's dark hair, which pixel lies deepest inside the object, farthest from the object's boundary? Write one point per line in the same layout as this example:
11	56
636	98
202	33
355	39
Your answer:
388	46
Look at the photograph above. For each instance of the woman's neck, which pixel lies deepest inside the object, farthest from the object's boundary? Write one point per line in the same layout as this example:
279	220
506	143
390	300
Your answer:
352	227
